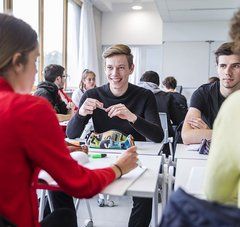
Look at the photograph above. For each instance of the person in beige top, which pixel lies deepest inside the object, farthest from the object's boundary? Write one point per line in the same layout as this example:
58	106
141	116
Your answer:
222	174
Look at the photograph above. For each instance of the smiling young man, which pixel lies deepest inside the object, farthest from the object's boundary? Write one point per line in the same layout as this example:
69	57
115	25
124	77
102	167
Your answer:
122	106
207	99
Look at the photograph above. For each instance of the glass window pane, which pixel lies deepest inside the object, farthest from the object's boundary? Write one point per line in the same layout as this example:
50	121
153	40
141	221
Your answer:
1	6
29	14
53	31
74	14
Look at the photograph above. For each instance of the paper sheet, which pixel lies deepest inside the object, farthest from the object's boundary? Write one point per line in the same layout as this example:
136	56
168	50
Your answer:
193	147
118	187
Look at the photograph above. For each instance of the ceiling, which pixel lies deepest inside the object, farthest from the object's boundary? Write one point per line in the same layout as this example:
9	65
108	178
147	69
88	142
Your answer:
181	10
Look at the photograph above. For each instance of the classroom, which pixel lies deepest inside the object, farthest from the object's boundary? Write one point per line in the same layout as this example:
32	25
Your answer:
119	113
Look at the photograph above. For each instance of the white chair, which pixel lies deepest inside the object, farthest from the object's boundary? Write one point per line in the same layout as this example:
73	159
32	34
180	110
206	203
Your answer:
167	139
44	197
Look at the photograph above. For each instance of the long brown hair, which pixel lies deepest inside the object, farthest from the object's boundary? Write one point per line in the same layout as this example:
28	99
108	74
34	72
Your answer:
85	73
16	36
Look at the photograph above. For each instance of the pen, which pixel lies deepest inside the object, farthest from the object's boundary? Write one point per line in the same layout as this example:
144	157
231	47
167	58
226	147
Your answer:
101	108
139	163
98	155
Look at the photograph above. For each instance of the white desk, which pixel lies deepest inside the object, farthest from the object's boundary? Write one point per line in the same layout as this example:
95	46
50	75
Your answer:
186	161
143	148
146	185
183	152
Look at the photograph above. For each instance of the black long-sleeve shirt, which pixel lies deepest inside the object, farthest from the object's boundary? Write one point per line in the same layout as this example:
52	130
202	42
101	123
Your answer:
138	100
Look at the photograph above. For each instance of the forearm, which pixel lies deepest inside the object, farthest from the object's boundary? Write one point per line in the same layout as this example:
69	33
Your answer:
76	126
149	130
191	136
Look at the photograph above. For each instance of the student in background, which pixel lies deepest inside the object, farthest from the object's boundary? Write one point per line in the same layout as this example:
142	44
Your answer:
122	106
165	100
207	99
166	103
31	138
88	81
222	174
55	79
213	79
170	84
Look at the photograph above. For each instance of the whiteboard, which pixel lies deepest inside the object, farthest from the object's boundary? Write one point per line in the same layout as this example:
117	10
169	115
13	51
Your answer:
188	62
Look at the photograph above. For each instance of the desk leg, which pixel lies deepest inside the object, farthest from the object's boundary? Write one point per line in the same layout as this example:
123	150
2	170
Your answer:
154	221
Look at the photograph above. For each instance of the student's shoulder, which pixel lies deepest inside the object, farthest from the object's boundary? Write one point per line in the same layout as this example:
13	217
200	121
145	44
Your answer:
30	103
140	90
208	88
233	99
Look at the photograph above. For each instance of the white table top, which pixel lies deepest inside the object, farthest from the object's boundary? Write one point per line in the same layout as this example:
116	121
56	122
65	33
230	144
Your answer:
146	184
187	152
143	148
183	171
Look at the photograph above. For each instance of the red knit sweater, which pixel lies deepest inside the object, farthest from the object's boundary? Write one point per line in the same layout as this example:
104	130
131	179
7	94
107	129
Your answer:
30	138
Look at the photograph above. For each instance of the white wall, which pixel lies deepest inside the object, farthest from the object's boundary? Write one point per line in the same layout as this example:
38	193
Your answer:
132	27
196	31
185	53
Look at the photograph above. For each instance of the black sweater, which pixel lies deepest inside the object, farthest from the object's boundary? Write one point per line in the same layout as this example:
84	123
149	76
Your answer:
49	91
138	100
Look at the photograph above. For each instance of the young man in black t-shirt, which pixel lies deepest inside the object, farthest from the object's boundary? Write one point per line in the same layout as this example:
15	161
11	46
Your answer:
207	99
122	106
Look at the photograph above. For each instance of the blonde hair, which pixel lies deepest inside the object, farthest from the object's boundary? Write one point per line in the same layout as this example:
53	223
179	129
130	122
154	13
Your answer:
119	49
16	36
235	30
85	74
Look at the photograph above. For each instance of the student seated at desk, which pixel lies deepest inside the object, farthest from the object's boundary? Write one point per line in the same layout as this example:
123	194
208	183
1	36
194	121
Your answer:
31	138
122	106
207	99
222	182
51	89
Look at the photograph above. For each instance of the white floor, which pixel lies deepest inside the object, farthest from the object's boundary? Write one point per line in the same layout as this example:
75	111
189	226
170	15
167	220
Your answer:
116	216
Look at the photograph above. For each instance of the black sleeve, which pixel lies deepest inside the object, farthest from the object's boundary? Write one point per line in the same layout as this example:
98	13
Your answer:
197	100
77	123
46	95
150	126
60	106
177	111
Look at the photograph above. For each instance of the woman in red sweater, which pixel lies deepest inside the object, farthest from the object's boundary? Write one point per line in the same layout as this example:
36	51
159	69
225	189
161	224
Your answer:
31	138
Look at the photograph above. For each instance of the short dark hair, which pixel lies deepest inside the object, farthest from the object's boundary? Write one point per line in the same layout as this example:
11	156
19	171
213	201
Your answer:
51	72
150	76
170	82
225	49
235	30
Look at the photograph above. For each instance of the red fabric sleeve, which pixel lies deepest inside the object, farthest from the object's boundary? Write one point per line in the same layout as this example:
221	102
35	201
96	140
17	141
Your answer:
43	142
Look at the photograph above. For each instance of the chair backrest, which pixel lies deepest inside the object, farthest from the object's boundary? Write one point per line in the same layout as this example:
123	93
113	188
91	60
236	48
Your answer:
164	123
179	89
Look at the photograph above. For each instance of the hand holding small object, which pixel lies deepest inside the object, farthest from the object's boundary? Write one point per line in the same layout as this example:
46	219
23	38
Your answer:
126	162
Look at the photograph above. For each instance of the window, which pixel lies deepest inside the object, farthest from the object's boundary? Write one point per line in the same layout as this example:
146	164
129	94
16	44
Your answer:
52	25
30	16
74	14
1	6
53	32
